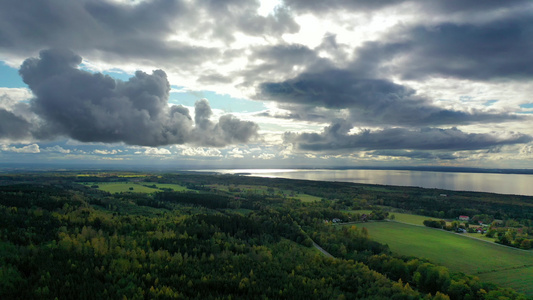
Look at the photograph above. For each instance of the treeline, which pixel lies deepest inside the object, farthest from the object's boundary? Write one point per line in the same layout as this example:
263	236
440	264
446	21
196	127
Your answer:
440	224
83	252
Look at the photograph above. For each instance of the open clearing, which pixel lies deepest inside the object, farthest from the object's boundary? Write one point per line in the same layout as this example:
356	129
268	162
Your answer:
120	187
411	219
491	262
400	217
257	189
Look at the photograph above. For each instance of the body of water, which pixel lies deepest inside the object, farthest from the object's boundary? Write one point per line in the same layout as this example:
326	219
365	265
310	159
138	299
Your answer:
516	184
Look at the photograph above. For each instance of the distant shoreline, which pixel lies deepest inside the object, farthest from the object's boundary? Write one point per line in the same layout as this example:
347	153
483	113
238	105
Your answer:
28	167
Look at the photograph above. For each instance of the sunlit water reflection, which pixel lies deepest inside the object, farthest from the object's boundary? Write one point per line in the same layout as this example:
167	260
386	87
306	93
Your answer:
518	184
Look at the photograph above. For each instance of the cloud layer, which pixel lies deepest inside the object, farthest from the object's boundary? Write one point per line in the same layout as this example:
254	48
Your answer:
97	108
369	101
336	138
379	77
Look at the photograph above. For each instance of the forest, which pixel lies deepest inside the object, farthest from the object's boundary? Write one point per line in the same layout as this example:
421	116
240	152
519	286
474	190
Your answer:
224	237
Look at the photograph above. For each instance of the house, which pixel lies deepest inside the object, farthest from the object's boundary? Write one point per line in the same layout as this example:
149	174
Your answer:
336	220
464	218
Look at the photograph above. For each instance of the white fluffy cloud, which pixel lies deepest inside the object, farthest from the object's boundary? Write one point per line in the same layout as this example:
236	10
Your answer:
33	148
201	152
157	151
105	152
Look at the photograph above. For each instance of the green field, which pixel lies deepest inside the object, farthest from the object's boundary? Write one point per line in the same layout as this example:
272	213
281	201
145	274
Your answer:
258	189
400	217
138	187
519	279
174	187
489	261
307	198
411	219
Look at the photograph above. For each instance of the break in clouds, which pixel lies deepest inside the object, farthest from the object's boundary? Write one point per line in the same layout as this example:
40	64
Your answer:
97	108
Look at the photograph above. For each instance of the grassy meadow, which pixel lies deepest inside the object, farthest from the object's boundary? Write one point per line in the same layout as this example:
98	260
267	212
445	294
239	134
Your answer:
257	189
491	262
399	217
138	187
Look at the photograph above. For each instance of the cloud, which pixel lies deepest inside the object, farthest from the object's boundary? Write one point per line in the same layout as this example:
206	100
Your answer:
236	153
57	148
105	152
336	138
183	34
33	148
10	97
13	127
265	156
483	49
317	6
471	51
369	101
157	151
96	108
108	26
202	152
416	154
370	6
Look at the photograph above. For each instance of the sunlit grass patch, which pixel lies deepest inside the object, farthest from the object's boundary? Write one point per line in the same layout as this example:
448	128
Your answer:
457	252
121	187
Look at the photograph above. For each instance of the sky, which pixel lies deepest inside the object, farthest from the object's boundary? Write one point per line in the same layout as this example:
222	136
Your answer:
267	84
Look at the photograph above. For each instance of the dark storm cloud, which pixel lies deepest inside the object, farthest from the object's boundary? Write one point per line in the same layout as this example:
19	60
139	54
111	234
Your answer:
489	40
96	108
337	139
499	49
469	6
79	24
105	30
120	32
13	127
369	101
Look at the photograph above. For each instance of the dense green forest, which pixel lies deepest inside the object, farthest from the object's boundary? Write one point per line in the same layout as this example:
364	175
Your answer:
225	237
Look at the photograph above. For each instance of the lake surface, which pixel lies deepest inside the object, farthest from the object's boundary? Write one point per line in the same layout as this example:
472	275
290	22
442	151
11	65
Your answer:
517	184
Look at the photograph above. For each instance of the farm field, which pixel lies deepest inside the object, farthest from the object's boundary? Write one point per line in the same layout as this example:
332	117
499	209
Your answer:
306	198
267	190
411	219
400	217
119	187
490	261
419	221
519	279
174	187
